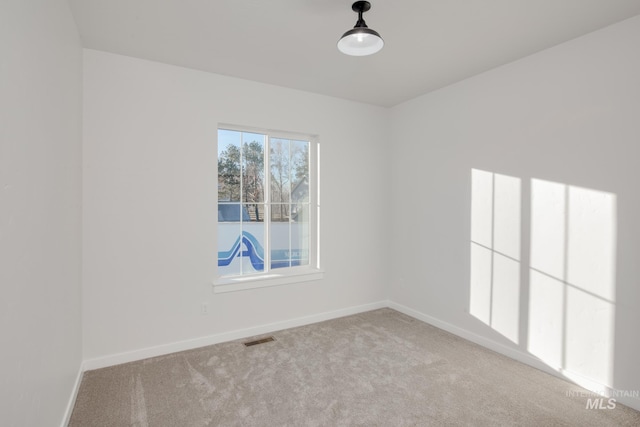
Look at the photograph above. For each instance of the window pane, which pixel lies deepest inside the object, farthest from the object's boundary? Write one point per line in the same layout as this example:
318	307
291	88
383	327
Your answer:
280	212
299	171
300	234
252	167
229	165
240	238
229	241
280	171
253	239
280	236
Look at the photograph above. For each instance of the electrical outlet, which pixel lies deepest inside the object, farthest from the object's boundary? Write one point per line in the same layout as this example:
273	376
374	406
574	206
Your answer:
204	309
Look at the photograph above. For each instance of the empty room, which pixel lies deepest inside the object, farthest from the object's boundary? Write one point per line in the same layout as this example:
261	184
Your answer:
427	213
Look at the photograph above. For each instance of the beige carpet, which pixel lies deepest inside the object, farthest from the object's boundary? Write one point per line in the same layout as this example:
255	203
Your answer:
380	368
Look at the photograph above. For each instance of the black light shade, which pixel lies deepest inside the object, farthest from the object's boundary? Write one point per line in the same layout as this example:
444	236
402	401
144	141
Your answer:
361	40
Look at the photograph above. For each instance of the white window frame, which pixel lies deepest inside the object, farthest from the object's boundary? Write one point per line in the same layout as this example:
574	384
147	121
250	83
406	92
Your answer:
287	275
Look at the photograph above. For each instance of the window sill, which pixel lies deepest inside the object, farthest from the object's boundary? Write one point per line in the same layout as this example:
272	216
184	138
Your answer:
241	283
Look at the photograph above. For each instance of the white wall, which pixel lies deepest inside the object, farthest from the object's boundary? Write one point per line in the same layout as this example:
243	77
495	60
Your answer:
567	115
149	199
40	189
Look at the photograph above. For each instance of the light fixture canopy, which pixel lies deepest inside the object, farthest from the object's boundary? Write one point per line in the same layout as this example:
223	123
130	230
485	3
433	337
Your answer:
361	40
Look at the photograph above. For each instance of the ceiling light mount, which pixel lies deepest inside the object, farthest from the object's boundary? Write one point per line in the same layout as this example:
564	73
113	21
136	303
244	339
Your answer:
361	40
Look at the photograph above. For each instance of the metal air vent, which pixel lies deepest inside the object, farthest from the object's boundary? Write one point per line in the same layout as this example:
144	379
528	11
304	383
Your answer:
260	341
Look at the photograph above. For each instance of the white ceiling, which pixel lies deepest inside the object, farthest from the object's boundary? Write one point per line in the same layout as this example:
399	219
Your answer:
292	43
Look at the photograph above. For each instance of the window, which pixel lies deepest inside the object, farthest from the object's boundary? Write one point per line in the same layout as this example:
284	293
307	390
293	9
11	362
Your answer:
267	208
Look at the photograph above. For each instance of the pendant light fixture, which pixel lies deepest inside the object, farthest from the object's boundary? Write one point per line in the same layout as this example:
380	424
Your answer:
361	40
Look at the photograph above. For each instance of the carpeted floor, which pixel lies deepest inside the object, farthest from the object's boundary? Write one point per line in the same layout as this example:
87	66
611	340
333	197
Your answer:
380	368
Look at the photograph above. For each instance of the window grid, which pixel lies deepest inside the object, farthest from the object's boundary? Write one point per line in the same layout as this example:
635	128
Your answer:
290	256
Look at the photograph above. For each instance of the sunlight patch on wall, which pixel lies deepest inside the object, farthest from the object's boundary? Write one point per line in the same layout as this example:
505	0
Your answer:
495	251
572	279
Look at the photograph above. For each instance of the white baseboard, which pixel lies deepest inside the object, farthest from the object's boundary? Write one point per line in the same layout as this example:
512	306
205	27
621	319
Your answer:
72	399
475	338
160	350
526	358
